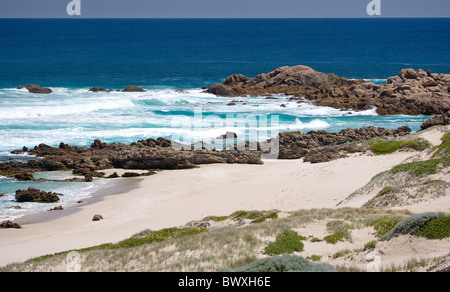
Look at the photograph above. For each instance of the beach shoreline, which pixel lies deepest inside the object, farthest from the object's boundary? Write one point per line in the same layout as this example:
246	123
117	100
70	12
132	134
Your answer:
176	197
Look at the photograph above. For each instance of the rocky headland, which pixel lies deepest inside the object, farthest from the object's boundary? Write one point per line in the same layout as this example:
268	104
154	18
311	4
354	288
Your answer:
411	92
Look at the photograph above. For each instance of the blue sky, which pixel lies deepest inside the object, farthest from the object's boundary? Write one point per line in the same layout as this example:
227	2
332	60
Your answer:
222	8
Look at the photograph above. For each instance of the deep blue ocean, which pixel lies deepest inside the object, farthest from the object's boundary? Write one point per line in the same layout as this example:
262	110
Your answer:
162	55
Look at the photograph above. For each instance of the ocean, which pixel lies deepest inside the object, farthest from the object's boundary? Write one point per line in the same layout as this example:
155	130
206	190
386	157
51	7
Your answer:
162	55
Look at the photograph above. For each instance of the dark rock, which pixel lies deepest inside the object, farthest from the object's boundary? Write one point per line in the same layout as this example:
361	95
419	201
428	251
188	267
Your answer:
59	208
132	88
439	120
25	176
114	175
37	196
95	89
9	225
33	88
130	174
181	91
411	92
19	87
97	217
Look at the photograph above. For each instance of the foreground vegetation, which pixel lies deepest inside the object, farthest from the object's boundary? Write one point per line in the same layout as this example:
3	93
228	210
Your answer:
242	244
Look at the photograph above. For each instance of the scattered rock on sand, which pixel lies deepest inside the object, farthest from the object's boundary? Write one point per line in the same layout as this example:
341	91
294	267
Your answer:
97	218
9	225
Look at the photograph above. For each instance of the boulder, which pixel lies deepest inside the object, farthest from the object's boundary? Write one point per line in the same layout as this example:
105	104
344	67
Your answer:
24	176
181	91
9	225
33	88
37	196
132	88
97	217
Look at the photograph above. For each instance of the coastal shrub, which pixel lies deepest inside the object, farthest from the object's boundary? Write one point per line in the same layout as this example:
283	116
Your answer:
383	225
286	243
438	228
384	191
255	216
411	224
370	245
420	168
381	147
337	236
445	146
314	258
285	263
148	237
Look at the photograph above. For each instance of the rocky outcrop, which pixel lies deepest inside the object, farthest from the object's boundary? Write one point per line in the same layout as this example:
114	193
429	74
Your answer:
33	88
36	196
411	92
322	146
439	120
132	88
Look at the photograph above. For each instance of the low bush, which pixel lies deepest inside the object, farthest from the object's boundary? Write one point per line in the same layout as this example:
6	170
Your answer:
285	263
383	225
286	243
420	168
338	236
438	228
381	147
411	224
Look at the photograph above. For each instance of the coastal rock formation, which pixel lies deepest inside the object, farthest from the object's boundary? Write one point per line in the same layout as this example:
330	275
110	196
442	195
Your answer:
9	225
439	120
321	146
147	154
411	92
37	196
33	88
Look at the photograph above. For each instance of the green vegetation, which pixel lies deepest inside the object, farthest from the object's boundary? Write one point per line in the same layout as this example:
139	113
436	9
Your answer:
445	146
337	236
438	228
383	225
285	263
411	224
420	168
216	218
370	245
381	147
341	253
286	243
432	182
144	237
255	216
384	191
314	258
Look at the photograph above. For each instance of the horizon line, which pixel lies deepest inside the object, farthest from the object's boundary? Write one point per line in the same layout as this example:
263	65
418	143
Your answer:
170	18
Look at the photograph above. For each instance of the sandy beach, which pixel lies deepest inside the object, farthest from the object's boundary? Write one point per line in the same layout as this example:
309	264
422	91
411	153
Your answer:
176	197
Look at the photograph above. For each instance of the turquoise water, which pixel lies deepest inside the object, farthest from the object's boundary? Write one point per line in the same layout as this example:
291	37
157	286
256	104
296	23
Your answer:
71	56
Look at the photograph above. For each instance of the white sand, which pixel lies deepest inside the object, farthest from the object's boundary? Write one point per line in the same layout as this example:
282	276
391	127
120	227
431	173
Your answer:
173	198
